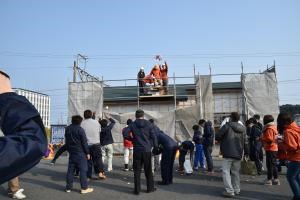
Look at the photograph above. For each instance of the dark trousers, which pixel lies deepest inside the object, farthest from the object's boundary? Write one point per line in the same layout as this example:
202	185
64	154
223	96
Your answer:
77	161
182	154
95	161
166	165
141	86
255	155
271	164
60	151
208	157
140	159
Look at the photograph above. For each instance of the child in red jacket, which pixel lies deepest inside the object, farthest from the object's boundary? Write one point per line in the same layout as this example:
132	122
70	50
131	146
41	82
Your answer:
128	148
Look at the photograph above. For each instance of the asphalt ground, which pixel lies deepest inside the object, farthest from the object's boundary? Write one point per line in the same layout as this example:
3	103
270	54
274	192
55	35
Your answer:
47	182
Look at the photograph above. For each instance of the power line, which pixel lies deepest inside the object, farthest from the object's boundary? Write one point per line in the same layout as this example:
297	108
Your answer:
137	56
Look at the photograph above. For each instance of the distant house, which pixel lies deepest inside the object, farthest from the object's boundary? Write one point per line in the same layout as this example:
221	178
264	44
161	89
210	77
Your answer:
228	98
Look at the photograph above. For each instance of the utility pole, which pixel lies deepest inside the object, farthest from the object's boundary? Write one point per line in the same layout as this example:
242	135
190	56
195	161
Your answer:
194	66
209	69
242	66
74	71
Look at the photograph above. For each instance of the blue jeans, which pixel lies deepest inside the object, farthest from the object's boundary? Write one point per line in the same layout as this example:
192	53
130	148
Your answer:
293	178
199	156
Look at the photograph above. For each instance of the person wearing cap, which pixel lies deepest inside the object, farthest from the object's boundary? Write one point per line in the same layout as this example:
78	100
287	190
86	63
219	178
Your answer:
141	76
144	139
24	140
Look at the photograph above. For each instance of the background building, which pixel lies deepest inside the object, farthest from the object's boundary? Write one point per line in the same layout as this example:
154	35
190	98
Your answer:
40	101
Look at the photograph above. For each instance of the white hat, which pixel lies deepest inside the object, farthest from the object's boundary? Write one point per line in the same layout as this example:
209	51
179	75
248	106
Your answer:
142	68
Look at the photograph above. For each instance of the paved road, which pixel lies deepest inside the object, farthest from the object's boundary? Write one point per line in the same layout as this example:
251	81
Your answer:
47	182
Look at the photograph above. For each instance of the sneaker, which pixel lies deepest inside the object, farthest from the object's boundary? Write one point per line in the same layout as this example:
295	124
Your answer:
228	195
52	162
126	169
101	175
276	182
19	194
268	182
237	193
68	191
88	190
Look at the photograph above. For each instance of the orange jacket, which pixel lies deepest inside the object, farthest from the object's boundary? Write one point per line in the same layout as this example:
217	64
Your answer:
164	72
269	137
156	72
291	142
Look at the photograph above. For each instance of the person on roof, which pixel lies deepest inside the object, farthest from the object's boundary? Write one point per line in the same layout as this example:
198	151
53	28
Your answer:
164	75
155	72
141	76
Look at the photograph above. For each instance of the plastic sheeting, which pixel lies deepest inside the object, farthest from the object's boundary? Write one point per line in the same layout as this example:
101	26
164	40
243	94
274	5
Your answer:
204	96
185	119
83	96
164	120
261	94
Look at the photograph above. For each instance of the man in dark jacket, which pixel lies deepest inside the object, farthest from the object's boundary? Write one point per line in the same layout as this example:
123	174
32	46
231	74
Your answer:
106	141
77	146
208	142
256	145
141	76
168	148
233	143
144	138
24	142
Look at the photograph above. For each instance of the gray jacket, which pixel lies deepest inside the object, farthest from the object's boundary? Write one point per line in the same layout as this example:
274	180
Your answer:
233	140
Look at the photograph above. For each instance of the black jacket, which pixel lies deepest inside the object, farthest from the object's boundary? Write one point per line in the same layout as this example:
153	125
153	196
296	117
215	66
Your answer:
209	134
141	75
76	142
165	141
255	143
198	138
233	140
143	135
25	141
187	146
105	134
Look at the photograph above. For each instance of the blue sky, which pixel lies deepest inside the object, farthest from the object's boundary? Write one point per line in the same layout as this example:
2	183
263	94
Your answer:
39	40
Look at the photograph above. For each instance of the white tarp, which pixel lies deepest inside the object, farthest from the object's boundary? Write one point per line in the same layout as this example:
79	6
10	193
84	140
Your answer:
83	96
261	94
204	97
164	120
185	119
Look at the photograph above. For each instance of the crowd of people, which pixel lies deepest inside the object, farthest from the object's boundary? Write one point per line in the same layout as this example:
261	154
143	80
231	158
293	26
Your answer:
89	143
